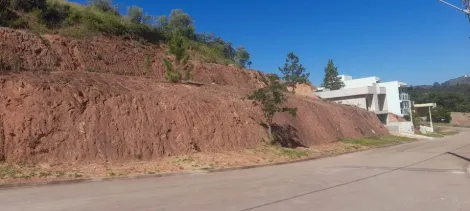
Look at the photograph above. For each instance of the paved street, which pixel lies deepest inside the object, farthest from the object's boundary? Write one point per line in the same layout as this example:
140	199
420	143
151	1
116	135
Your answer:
417	176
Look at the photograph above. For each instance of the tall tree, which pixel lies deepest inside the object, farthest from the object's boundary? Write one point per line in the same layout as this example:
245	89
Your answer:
271	98
294	72
135	14
332	80
178	22
242	56
181	22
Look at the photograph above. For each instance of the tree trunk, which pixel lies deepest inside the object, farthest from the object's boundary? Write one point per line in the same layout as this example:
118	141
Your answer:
270	133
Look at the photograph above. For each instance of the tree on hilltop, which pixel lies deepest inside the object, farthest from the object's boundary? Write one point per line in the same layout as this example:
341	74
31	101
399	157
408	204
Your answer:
242	57
332	80
294	72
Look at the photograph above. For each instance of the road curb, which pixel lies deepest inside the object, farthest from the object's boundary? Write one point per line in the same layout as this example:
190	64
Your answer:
468	170
148	176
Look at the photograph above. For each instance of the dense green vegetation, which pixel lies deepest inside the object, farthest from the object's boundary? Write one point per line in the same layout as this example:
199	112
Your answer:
454	98
102	17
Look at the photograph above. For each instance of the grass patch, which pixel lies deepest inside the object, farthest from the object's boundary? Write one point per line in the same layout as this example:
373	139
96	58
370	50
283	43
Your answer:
432	135
439	132
292	153
92	70
448	133
9	172
76	175
281	152
378	141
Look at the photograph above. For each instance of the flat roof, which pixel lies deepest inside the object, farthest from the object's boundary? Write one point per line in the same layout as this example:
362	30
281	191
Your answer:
425	105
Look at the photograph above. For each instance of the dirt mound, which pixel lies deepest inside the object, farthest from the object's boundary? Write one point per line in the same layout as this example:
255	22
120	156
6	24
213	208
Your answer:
89	117
304	90
24	51
395	118
460	119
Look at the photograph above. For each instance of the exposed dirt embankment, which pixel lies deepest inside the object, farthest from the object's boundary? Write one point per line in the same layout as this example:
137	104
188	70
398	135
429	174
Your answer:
460	119
81	117
24	51
81	107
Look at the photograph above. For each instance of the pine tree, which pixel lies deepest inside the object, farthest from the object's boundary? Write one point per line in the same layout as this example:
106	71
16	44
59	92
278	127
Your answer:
332	81
271	98
293	72
181	66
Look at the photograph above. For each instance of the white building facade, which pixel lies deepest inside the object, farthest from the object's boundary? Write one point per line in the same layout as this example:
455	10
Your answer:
379	97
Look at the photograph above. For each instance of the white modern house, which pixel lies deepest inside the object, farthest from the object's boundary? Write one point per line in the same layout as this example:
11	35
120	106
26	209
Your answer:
371	94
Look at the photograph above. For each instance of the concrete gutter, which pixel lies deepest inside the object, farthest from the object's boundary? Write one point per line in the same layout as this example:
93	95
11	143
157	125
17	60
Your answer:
416	136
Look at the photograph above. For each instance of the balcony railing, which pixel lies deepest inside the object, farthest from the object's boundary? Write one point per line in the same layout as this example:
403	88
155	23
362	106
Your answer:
404	97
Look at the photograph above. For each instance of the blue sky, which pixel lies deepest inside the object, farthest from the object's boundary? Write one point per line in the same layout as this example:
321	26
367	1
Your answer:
415	41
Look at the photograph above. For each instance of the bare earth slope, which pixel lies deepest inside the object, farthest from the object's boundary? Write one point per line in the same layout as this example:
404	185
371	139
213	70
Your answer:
29	52
70	115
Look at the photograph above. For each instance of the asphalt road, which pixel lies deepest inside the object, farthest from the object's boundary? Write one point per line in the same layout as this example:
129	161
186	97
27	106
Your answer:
417	176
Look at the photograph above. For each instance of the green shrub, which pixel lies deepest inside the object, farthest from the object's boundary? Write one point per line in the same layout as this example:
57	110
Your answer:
55	14
212	53
28	5
9	19
104	6
135	14
148	63
171	74
4	4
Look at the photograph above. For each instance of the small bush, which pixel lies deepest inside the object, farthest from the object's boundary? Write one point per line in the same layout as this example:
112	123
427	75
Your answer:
10	19
210	53
104	6
171	74
148	63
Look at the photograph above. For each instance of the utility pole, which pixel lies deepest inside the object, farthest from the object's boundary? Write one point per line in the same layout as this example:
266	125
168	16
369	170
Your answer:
466	11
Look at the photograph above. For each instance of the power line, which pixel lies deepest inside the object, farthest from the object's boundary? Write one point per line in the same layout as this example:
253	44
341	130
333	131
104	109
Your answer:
466	11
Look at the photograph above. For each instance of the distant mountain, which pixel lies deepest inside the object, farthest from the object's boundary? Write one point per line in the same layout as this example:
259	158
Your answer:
460	80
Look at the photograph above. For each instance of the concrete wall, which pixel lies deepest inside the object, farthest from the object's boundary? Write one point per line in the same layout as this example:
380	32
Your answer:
361	82
345	77
393	97
363	97
426	129
401	127
359	101
383	102
385	96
